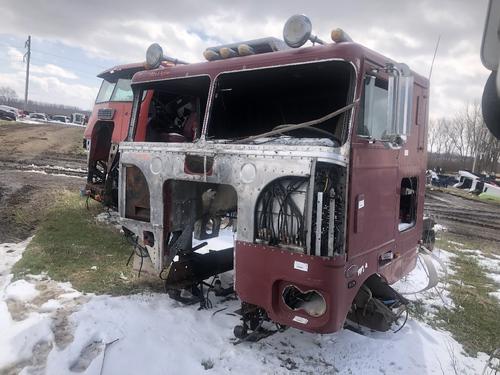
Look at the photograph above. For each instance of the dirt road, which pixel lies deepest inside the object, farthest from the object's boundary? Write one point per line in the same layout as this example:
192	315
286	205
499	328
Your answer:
34	163
463	216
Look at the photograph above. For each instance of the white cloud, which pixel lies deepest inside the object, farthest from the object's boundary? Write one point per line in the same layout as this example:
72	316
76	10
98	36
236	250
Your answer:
52	70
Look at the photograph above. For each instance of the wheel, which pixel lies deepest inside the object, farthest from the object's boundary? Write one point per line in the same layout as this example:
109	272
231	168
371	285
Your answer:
240	332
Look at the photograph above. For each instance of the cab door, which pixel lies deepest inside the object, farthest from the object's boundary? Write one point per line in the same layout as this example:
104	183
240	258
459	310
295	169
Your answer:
373	173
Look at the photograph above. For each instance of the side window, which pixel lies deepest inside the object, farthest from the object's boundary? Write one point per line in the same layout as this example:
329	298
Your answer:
408	203
374	120
386	110
123	91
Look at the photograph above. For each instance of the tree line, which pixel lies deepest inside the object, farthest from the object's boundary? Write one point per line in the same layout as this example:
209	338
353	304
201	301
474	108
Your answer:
9	97
463	142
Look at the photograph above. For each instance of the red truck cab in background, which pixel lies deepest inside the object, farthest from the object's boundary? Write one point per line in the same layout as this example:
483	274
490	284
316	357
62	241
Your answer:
107	127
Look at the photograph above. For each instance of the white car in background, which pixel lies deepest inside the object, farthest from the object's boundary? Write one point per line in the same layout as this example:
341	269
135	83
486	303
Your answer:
60	118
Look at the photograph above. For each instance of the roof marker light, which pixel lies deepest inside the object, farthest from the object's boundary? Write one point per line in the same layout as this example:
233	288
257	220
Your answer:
211	55
340	36
245	50
227	53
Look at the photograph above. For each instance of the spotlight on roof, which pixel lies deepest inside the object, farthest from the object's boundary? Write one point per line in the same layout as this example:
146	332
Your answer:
155	56
298	30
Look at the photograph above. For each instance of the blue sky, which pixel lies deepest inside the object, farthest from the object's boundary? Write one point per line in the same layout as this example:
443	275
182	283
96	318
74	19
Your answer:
72	41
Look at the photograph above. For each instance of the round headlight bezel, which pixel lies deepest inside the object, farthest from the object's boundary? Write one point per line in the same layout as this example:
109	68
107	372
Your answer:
297	30
154	56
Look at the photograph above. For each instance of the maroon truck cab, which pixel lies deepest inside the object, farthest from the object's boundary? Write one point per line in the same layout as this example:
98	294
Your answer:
317	155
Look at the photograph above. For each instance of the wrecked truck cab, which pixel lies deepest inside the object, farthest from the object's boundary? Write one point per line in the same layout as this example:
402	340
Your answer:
317	155
106	128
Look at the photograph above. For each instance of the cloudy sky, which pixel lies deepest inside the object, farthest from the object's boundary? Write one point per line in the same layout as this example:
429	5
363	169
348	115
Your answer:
74	40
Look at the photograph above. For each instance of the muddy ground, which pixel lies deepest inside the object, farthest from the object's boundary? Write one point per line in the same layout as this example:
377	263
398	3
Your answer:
466	217
35	161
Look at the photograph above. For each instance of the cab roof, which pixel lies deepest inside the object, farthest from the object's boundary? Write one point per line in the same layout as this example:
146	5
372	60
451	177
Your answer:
348	51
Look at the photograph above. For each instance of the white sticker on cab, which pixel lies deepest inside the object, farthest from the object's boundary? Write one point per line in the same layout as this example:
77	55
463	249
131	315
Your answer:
301	266
300	319
361	204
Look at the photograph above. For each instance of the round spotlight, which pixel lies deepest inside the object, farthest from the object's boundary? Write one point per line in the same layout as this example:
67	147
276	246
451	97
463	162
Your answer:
154	55
297	30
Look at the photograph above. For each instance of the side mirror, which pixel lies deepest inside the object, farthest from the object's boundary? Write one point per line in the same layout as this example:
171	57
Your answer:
490	104
490	56
400	99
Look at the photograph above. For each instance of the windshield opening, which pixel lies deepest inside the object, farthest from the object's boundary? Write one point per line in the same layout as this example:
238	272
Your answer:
250	103
105	91
177	109
119	91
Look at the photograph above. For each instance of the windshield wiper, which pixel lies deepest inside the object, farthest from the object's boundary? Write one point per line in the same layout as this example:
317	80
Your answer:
289	127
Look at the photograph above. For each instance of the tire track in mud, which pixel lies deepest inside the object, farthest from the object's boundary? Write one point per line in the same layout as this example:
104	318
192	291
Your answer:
49	169
464	216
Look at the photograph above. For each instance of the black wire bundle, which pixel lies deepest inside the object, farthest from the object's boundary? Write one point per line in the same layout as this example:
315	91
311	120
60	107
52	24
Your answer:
287	225
138	250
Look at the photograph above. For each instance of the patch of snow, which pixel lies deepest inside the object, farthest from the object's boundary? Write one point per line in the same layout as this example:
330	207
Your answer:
10	253
495	295
405	226
494	276
455	243
50	305
489	264
180	338
71	295
223	241
110	218
42	276
417	279
471	251
439	228
157	335
20	290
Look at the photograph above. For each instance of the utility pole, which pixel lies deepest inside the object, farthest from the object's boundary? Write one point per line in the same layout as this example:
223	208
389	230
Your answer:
26	58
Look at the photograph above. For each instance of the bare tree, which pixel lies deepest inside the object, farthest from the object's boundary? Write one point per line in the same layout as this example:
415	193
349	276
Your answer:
7	94
464	141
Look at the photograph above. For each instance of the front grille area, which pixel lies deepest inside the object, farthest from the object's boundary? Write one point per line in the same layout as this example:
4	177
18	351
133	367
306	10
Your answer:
105	114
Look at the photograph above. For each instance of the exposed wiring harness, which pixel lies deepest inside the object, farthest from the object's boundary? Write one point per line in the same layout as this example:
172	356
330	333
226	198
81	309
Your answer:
279	220
138	250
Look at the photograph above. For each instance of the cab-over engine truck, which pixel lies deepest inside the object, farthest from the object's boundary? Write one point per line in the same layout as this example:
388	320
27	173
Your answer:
317	157
108	126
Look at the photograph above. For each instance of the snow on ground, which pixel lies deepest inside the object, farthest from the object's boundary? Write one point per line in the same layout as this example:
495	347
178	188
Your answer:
417	280
111	218
59	331
489	263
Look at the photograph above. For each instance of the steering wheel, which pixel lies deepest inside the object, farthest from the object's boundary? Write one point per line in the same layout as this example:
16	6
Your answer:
324	133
